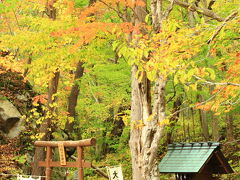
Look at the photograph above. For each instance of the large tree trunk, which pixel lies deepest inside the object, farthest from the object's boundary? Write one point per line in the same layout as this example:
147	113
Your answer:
215	128
72	99
50	9
46	124
229	127
146	127
146	130
39	153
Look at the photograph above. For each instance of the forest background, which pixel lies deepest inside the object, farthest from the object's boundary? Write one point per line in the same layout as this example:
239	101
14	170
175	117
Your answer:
137	75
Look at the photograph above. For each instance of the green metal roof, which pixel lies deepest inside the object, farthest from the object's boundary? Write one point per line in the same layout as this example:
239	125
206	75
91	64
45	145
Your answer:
186	158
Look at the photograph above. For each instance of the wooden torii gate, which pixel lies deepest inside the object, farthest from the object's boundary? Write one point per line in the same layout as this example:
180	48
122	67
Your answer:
79	163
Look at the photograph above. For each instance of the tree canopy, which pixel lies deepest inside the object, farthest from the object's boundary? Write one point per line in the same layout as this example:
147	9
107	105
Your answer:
135	74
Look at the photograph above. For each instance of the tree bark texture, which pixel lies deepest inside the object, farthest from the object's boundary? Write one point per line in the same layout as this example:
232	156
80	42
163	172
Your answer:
39	154
191	18
29	61
204	11
215	128
193	123
146	132
203	118
73	97
204	124
50	9
156	9
229	127
146	116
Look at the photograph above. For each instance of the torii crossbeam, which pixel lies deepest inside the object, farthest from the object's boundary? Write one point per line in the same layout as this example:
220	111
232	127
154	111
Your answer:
79	163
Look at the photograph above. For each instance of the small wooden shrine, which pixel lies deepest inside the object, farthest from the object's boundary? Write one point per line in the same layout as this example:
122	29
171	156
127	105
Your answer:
194	161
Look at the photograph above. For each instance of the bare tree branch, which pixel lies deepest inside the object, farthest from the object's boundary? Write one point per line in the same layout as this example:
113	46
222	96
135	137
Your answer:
231	16
110	7
204	11
174	93
211	4
214	83
198	104
168	10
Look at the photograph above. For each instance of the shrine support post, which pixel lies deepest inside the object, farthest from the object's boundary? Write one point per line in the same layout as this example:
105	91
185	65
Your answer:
79	162
48	159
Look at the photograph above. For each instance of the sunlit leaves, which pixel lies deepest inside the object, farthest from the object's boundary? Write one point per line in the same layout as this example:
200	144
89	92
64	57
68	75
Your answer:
7	5
166	52
80	3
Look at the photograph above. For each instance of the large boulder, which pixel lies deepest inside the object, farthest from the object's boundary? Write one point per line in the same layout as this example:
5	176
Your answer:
15	100
10	119
16	96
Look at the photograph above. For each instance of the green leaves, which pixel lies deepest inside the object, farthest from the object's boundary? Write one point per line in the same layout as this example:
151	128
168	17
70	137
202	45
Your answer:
8	5
211	73
20	159
81	3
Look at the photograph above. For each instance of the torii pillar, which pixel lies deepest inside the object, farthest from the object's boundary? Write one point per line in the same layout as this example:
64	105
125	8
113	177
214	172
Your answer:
79	163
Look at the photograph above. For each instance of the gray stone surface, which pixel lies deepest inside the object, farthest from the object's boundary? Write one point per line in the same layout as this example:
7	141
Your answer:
22	97
11	121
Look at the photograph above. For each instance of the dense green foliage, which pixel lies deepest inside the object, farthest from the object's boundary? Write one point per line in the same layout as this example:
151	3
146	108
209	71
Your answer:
202	74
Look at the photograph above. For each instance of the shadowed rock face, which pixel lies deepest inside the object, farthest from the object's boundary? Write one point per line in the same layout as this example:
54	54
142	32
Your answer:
7	125
10	121
2	121
15	100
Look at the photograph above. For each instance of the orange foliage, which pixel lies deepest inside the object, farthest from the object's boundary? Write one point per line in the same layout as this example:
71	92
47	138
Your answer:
70	6
205	107
87	12
213	52
87	27
40	99
127	27
140	3
234	68
238	58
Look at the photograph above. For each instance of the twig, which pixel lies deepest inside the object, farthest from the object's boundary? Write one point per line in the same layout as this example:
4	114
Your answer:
214	83
238	140
230	103
16	19
204	11
231	16
95	168
96	99
100	172
211	4
199	104
168	10
110	7
174	93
